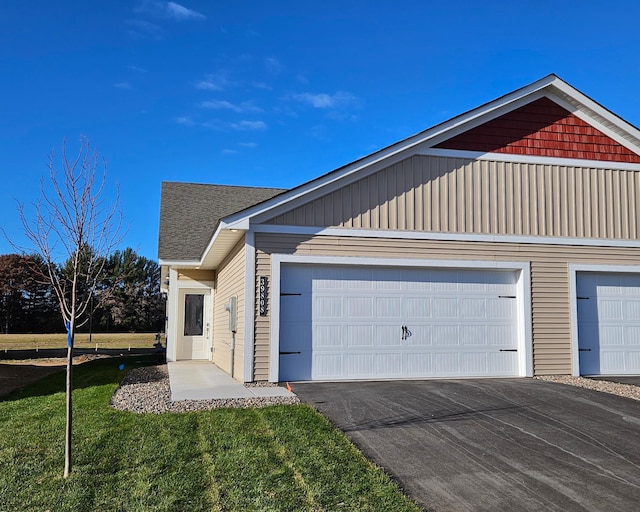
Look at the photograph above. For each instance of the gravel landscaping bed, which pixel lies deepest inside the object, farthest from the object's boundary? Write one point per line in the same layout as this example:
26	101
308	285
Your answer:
613	388
147	389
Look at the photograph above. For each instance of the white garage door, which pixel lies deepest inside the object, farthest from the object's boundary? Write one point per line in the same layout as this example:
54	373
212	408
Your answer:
380	323
608	323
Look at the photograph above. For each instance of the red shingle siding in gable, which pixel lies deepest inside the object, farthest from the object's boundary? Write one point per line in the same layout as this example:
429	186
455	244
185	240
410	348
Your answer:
542	128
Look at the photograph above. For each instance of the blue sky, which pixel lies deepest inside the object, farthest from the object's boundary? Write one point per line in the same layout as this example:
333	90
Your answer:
274	93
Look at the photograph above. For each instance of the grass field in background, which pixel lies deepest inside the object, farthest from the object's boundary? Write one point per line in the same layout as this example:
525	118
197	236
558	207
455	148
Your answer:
281	458
103	340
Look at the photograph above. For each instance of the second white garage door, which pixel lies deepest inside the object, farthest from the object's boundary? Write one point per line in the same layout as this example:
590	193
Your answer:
340	323
608	323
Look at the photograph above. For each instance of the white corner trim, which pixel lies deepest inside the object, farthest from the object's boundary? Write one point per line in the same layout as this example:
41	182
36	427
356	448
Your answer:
525	338
528	159
449	237
574	269
249	304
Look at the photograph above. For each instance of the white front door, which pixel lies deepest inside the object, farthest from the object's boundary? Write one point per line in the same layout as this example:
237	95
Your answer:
194	324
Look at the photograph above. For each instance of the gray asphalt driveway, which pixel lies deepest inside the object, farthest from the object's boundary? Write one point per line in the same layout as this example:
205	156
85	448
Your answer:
498	445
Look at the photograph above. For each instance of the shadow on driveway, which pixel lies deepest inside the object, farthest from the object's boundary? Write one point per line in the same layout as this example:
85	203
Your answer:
494	445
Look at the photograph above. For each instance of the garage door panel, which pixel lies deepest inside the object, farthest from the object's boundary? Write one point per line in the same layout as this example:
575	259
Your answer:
417	308
410	323
446	307
360	336
329	336
501	308
360	307
327	307
473	308
388	307
420	336
387	336
327	366
445	335
359	365
388	364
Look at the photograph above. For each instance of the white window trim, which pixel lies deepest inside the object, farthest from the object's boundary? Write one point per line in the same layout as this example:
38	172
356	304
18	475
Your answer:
574	269
523	286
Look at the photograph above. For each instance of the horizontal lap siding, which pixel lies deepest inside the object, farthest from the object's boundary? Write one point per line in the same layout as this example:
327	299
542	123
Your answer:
262	328
428	193
230	283
549	280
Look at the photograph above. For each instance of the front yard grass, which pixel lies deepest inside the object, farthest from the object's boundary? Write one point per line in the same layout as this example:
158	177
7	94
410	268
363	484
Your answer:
275	458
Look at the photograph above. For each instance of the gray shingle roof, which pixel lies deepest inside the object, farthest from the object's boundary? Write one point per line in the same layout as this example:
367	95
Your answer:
190	213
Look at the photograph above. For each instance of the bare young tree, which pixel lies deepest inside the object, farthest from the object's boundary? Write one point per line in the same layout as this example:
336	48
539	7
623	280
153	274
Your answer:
73	224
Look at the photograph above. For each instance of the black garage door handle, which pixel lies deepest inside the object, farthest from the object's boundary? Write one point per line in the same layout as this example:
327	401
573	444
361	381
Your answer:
508	350
584	350
289	353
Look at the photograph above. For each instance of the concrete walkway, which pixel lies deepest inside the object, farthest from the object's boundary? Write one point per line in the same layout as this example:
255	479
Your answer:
203	380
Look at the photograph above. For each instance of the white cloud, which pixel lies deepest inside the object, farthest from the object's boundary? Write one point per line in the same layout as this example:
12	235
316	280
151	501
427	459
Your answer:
144	29
170	10
229	152
181	13
212	83
245	106
249	125
248	144
272	65
185	120
122	85
137	69
326	101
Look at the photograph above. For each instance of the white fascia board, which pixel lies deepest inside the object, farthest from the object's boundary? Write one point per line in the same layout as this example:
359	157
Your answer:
528	159
180	263
614	126
449	237
597	109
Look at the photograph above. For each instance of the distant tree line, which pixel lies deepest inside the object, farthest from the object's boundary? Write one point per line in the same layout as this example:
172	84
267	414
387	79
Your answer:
129	294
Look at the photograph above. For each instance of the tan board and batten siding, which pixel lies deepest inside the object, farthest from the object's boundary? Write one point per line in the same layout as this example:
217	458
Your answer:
230	282
451	195
454	195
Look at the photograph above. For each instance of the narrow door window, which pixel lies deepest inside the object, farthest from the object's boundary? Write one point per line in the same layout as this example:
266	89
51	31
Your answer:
193	314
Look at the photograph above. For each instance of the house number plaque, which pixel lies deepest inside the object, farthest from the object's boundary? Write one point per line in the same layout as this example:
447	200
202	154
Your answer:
264	281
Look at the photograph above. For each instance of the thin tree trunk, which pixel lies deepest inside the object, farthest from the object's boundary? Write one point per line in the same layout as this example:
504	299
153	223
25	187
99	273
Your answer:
67	439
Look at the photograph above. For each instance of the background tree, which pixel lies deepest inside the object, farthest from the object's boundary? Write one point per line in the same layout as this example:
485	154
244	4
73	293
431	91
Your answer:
134	302
25	300
72	223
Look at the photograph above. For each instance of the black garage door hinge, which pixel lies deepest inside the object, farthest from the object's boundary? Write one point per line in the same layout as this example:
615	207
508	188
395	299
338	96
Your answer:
506	296
584	350
508	350
582	298
288	294
289	353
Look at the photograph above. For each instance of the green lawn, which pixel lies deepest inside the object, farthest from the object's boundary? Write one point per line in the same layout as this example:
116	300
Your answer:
275	458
